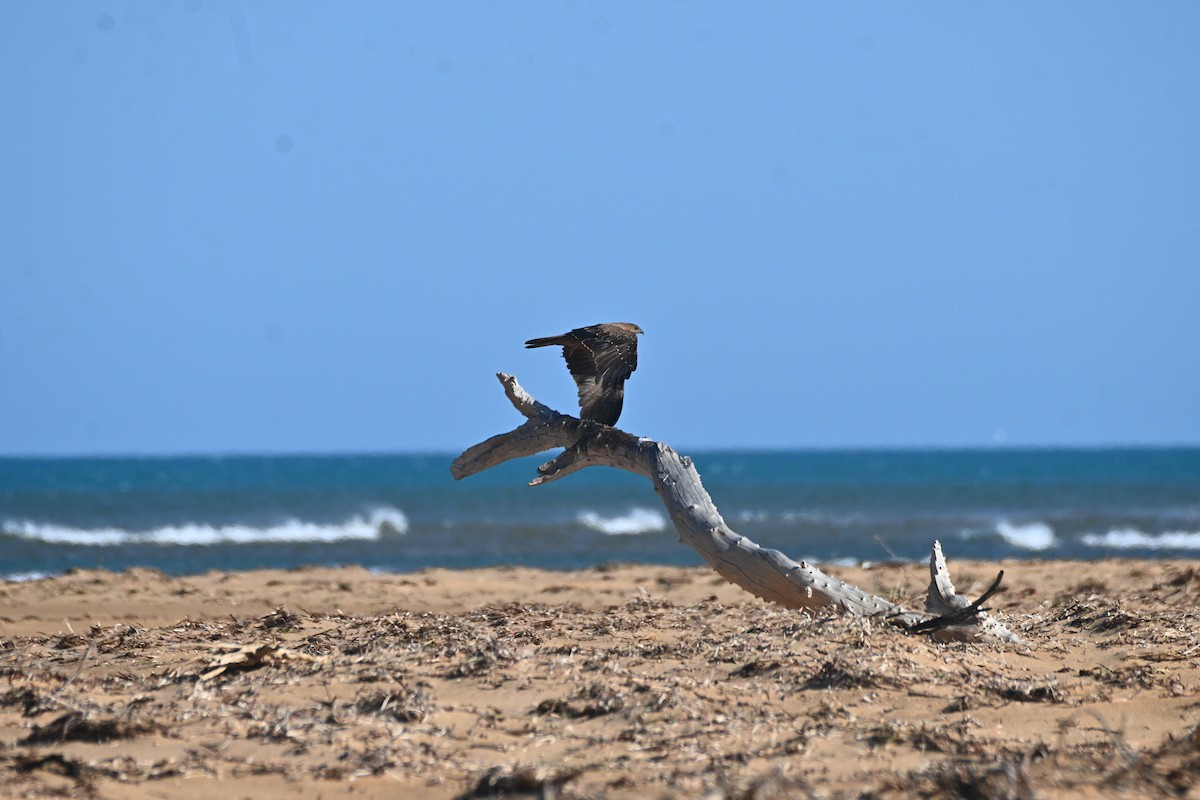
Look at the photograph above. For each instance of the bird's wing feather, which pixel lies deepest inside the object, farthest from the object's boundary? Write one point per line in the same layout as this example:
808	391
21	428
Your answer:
616	362
610	356
599	359
599	404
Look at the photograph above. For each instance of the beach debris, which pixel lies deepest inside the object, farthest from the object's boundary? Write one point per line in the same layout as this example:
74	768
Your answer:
594	700
537	783
752	669
610	697
1042	691
842	672
481	660
80	773
249	657
400	703
775	785
958	619
280	618
80	726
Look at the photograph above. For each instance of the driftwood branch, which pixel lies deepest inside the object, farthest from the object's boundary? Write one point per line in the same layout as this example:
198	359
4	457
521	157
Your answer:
768	574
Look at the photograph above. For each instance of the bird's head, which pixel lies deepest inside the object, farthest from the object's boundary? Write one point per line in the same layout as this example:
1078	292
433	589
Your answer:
629	326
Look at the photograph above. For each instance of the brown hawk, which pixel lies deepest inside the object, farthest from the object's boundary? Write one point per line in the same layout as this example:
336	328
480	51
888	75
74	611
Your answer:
600	358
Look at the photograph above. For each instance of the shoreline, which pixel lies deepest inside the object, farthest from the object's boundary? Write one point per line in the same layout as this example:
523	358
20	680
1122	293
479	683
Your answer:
622	681
1027	556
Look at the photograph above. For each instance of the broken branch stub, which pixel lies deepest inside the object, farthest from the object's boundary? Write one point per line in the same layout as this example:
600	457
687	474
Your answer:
765	573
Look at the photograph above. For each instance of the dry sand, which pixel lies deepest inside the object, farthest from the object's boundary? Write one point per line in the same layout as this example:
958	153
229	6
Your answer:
621	682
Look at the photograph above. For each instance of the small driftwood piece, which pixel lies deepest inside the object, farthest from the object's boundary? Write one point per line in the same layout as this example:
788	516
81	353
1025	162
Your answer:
765	573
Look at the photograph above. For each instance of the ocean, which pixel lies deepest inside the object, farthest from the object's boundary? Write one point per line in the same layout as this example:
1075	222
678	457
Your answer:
399	513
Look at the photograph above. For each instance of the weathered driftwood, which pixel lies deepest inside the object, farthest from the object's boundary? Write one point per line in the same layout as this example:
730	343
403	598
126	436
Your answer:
765	573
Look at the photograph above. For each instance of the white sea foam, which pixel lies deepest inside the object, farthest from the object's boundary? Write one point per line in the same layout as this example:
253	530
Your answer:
21	577
379	522
639	520
1131	538
1030	536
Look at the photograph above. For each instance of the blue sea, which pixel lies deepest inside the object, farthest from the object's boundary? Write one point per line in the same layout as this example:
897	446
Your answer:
405	512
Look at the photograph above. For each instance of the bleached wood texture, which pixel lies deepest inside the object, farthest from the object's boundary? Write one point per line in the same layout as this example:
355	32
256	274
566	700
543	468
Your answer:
768	574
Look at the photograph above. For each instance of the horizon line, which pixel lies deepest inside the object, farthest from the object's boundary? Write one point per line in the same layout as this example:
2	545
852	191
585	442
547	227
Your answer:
433	452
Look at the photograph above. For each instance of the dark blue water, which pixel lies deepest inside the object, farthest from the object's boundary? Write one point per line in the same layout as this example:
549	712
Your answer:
405	512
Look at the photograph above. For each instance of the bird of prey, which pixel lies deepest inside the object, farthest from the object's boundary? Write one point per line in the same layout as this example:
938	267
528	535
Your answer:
600	358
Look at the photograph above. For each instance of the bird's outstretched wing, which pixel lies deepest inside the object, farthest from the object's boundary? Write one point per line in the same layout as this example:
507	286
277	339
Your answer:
600	359
608	356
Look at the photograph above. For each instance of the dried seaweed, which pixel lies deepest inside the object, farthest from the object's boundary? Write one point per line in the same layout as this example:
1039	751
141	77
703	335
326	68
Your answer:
520	782
1097	616
844	673
594	700
77	726
731	701
400	703
1042	691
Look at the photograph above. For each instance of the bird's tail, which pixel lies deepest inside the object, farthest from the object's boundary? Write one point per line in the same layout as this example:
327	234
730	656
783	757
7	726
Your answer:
545	341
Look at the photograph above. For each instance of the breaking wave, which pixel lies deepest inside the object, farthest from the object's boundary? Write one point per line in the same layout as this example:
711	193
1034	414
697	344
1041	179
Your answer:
381	521
22	577
1029	536
639	520
1133	539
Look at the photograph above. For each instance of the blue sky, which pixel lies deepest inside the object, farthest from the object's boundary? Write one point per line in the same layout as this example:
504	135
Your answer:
284	226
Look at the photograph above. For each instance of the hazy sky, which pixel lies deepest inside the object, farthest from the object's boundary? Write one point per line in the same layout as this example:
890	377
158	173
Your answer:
286	226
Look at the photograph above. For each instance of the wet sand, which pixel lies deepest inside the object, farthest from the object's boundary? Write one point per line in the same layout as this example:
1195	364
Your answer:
619	682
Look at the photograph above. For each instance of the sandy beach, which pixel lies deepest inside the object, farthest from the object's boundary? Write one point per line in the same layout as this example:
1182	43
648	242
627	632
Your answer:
618	682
